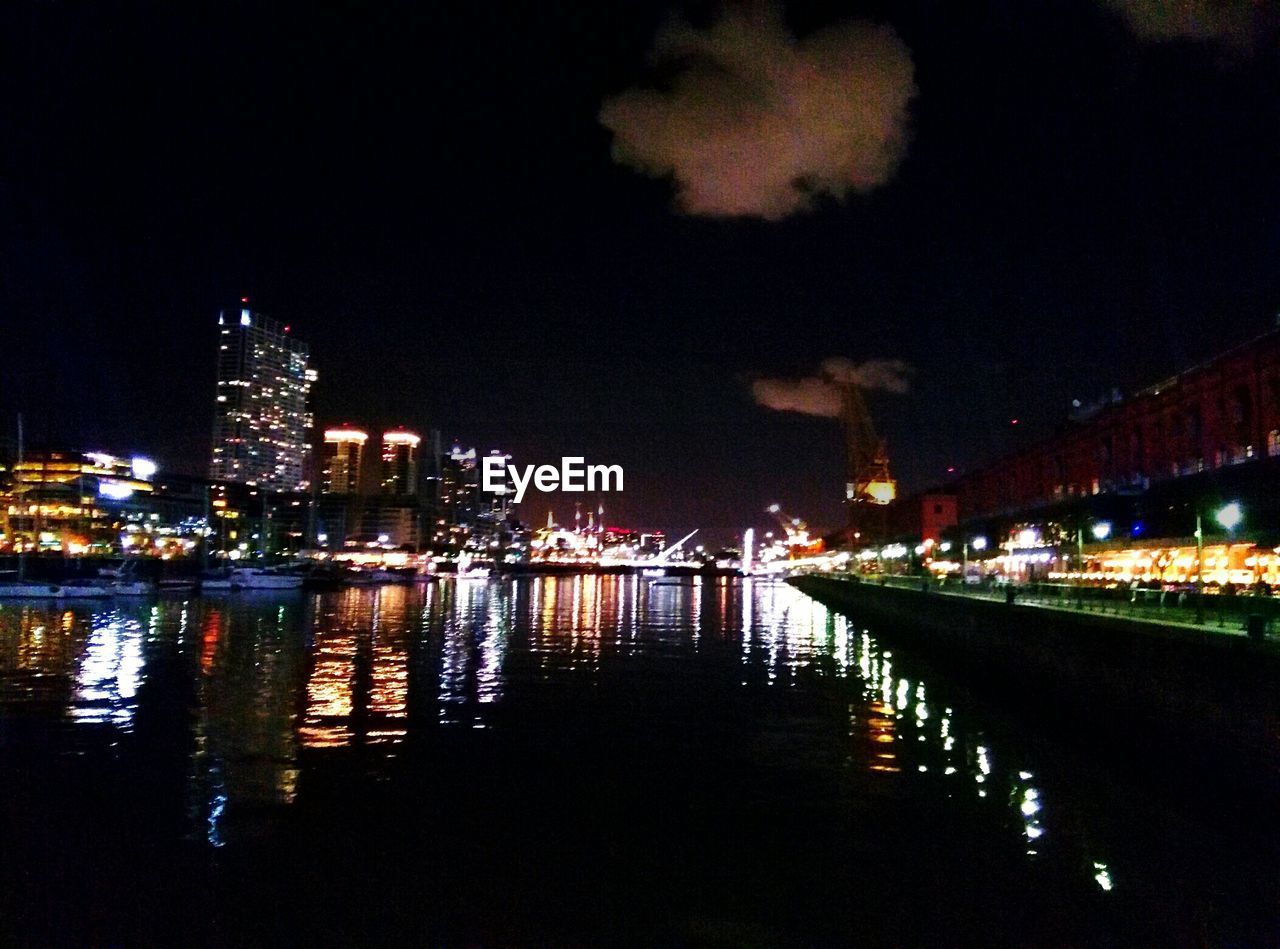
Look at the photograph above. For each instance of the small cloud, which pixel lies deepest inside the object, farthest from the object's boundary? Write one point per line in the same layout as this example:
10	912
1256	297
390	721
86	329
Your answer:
823	394
754	122
1235	22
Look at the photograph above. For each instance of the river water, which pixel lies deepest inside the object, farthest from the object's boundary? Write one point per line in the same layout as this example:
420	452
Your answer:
572	760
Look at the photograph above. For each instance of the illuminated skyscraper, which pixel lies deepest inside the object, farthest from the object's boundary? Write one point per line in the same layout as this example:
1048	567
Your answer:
458	486
261	421
400	462
343	458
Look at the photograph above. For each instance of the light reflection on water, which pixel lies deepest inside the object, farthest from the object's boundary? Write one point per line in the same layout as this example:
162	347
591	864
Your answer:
281	685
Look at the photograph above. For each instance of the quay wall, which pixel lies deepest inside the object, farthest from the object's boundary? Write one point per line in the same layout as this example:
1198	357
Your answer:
1199	704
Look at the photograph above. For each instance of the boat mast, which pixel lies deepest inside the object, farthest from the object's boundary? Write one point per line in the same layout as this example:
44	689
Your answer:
22	552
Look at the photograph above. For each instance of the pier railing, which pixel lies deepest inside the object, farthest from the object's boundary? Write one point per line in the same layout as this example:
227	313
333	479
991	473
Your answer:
1227	612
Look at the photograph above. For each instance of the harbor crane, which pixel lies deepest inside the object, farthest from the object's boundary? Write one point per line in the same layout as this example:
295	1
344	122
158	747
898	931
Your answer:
869	488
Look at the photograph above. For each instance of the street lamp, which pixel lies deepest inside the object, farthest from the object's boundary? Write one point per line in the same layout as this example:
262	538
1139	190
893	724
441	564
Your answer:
1229	515
978	543
1100	530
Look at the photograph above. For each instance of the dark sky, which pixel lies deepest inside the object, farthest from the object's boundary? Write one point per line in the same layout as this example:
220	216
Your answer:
423	191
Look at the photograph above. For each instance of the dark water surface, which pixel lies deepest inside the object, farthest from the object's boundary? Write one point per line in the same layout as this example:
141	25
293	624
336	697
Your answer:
568	761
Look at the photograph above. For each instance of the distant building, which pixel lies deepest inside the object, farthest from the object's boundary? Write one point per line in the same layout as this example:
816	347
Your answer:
95	503
343	460
399	466
1131	480
924	517
653	543
459	486
1222	414
389	522
495	507
261	422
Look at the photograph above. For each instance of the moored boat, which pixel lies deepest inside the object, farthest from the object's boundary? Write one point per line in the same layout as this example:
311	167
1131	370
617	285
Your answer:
83	589
27	589
132	588
251	578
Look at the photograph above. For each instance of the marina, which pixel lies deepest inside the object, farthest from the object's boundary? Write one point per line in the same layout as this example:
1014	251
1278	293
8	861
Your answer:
761	768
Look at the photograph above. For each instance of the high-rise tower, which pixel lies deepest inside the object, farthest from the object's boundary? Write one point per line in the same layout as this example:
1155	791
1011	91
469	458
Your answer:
343	460
400	462
261	420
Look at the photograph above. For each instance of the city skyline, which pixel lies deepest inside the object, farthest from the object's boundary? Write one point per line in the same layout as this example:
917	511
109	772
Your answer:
666	472
1029	246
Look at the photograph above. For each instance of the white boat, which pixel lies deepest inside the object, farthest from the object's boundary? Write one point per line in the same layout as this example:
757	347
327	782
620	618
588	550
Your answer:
393	576
26	589
468	572
377	576
178	585
214	582
132	588
84	589
253	578
70	590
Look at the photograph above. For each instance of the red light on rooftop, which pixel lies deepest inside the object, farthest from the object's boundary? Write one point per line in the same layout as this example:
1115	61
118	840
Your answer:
286	329
1013	421
244	299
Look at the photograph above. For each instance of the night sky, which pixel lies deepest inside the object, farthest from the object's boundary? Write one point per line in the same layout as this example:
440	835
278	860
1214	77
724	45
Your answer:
426	193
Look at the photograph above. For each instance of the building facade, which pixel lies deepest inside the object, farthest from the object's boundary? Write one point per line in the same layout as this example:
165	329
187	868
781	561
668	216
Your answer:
399	464
77	502
1222	414
343	460
262	421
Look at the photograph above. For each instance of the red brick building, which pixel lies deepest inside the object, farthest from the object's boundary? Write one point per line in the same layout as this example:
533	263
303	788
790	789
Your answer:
1223	413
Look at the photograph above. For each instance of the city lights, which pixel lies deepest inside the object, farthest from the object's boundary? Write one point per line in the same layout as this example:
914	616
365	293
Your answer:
1229	516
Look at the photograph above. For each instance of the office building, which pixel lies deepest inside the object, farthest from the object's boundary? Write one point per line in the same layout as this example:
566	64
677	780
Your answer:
262	421
400	463
343	460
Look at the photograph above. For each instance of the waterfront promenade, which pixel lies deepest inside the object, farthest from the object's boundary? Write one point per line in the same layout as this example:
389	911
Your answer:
1219	613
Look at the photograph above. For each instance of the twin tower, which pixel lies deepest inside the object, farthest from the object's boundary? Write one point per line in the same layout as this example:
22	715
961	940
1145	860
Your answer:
343	462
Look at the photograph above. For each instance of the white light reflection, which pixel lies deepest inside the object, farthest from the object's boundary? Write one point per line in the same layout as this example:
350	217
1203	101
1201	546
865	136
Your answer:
109	672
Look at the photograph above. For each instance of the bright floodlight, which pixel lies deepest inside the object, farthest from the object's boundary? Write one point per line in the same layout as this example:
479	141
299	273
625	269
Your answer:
1102	530
774	508
979	543
1230	515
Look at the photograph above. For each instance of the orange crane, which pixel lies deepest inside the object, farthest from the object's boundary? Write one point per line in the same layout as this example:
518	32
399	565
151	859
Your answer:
869	488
